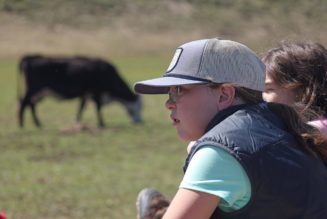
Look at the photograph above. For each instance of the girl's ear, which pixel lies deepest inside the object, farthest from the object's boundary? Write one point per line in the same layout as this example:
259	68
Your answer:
227	96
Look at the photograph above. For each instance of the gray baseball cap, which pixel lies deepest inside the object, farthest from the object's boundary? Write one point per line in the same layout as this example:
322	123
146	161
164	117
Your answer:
209	61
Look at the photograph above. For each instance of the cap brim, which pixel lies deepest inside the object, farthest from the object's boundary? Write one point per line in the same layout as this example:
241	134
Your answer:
162	85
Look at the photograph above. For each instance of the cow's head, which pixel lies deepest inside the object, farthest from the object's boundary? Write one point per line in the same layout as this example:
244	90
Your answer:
134	109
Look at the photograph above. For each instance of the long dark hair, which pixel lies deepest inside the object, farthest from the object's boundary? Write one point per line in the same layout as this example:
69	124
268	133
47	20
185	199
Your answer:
309	138
302	67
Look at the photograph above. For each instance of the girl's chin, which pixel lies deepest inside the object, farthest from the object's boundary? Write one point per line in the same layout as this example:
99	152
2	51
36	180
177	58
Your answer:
185	137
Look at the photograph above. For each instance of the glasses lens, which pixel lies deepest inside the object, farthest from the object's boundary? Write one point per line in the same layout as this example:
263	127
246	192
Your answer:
175	93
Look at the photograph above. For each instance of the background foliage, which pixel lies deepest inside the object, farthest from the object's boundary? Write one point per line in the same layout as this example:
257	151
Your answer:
120	27
65	172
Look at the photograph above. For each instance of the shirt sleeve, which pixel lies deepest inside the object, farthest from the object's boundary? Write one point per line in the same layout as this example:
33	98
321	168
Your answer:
213	170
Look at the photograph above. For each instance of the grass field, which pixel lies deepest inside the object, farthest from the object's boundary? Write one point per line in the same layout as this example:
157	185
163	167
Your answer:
49	173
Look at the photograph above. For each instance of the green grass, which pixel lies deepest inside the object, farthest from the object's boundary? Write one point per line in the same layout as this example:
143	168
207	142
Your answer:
48	173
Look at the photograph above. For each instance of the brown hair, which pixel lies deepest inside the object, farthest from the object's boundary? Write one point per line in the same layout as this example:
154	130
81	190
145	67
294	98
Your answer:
303	67
248	95
309	138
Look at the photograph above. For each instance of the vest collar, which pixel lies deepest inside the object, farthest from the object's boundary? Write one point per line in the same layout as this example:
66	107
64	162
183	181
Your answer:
220	116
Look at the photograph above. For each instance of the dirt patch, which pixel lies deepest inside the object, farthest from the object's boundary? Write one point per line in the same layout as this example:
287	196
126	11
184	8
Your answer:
79	128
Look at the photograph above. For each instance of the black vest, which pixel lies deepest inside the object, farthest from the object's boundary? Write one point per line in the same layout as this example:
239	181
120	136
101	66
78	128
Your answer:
286	182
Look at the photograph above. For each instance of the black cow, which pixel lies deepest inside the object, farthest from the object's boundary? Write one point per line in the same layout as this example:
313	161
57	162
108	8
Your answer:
71	77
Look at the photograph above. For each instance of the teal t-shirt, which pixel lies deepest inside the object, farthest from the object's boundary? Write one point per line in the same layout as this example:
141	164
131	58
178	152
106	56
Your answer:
213	170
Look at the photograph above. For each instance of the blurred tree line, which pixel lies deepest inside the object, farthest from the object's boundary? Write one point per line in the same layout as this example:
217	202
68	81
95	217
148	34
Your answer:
102	12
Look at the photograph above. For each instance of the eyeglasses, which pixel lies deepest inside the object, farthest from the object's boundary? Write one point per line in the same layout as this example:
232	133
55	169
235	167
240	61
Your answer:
177	91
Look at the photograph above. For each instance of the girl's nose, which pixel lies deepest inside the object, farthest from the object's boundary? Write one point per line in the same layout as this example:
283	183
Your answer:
170	104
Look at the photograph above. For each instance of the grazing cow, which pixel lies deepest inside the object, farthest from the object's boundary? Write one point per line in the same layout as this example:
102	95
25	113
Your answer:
74	77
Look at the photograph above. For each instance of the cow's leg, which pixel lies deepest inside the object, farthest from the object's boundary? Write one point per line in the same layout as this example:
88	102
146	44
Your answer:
22	106
81	109
35	118
98	103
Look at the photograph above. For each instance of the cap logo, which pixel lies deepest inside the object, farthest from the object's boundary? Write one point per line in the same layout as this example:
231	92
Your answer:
175	59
